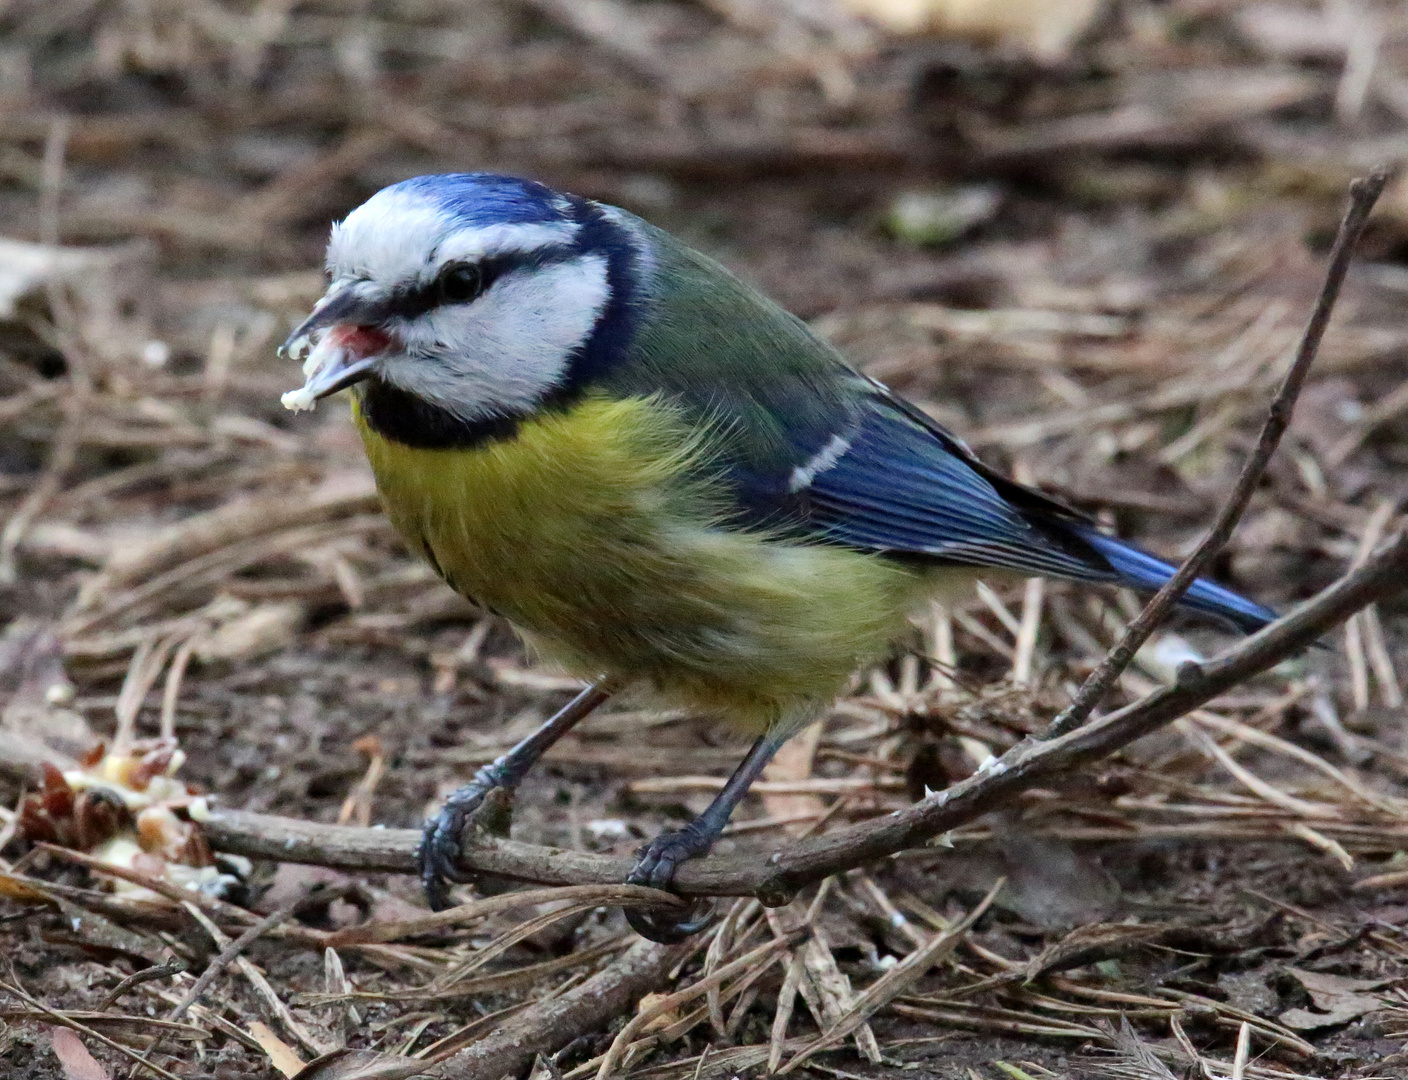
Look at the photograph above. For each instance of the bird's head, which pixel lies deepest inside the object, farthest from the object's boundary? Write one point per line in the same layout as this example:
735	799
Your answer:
473	292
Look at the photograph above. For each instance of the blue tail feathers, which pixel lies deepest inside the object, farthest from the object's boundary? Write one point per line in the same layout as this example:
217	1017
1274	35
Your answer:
1140	570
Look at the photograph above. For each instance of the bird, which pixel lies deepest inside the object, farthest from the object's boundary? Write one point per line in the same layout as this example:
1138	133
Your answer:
660	477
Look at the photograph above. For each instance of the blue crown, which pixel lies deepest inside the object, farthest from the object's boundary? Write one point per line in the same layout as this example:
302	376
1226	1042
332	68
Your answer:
488	198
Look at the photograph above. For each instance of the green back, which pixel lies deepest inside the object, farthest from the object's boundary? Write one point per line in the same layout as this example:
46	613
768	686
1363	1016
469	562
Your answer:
773	392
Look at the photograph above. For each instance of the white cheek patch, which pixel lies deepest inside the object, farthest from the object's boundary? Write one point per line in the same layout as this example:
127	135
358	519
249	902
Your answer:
502	353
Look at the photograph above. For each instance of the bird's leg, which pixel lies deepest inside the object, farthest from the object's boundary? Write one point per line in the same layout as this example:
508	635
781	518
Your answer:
659	858
439	853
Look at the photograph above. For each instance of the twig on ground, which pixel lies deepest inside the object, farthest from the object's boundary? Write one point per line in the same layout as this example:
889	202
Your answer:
256	979
776	879
1363	194
229	953
553	1023
479	909
894	982
765	954
157	971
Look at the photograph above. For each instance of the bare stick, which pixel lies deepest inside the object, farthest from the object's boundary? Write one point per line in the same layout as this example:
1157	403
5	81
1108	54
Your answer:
258	982
776	878
228	954
1363	193
550	1024
157	971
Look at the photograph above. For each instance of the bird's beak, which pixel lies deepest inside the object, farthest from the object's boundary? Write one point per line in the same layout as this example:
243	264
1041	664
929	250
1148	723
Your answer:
348	344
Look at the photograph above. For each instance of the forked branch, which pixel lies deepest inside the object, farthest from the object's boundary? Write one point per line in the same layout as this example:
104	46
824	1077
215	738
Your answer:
1363	194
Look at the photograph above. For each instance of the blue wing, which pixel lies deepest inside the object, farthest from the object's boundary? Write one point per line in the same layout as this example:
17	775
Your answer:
895	482
899	488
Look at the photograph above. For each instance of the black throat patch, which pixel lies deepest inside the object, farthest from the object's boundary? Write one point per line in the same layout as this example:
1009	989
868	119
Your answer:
404	418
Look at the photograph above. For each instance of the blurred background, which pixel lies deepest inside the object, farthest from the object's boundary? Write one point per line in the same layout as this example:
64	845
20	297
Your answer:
1085	234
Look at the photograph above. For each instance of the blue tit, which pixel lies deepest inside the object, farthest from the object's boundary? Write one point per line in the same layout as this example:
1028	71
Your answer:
656	474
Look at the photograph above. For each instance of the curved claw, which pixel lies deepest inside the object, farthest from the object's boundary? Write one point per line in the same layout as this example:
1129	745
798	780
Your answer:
438	855
652	924
656	867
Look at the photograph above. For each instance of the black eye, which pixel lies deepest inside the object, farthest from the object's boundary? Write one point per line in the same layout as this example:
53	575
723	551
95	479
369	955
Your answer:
459	283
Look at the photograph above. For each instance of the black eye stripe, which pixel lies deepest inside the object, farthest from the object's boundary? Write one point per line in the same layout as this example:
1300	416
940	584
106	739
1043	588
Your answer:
425	296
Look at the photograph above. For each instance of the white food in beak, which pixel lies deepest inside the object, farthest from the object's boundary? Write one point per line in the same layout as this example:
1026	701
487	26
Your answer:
331	365
299	400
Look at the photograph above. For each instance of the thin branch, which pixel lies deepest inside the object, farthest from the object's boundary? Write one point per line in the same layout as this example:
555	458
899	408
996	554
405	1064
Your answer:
550	1024
142	975
1363	193
228	954
778	877
258	982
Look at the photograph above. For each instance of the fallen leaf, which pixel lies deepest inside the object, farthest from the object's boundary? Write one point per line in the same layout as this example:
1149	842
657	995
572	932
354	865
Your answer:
661	1022
77	1063
1340	999
280	1053
1305	1020
1324	987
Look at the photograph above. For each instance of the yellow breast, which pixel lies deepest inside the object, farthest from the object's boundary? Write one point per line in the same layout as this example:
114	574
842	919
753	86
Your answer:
590	530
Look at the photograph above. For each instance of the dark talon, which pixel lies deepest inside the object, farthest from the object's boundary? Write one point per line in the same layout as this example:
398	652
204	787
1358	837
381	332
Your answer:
655	867
652	926
439	853
438	856
658	859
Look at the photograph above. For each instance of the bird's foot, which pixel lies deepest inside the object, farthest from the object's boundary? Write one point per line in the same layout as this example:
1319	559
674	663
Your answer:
655	866
482	804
